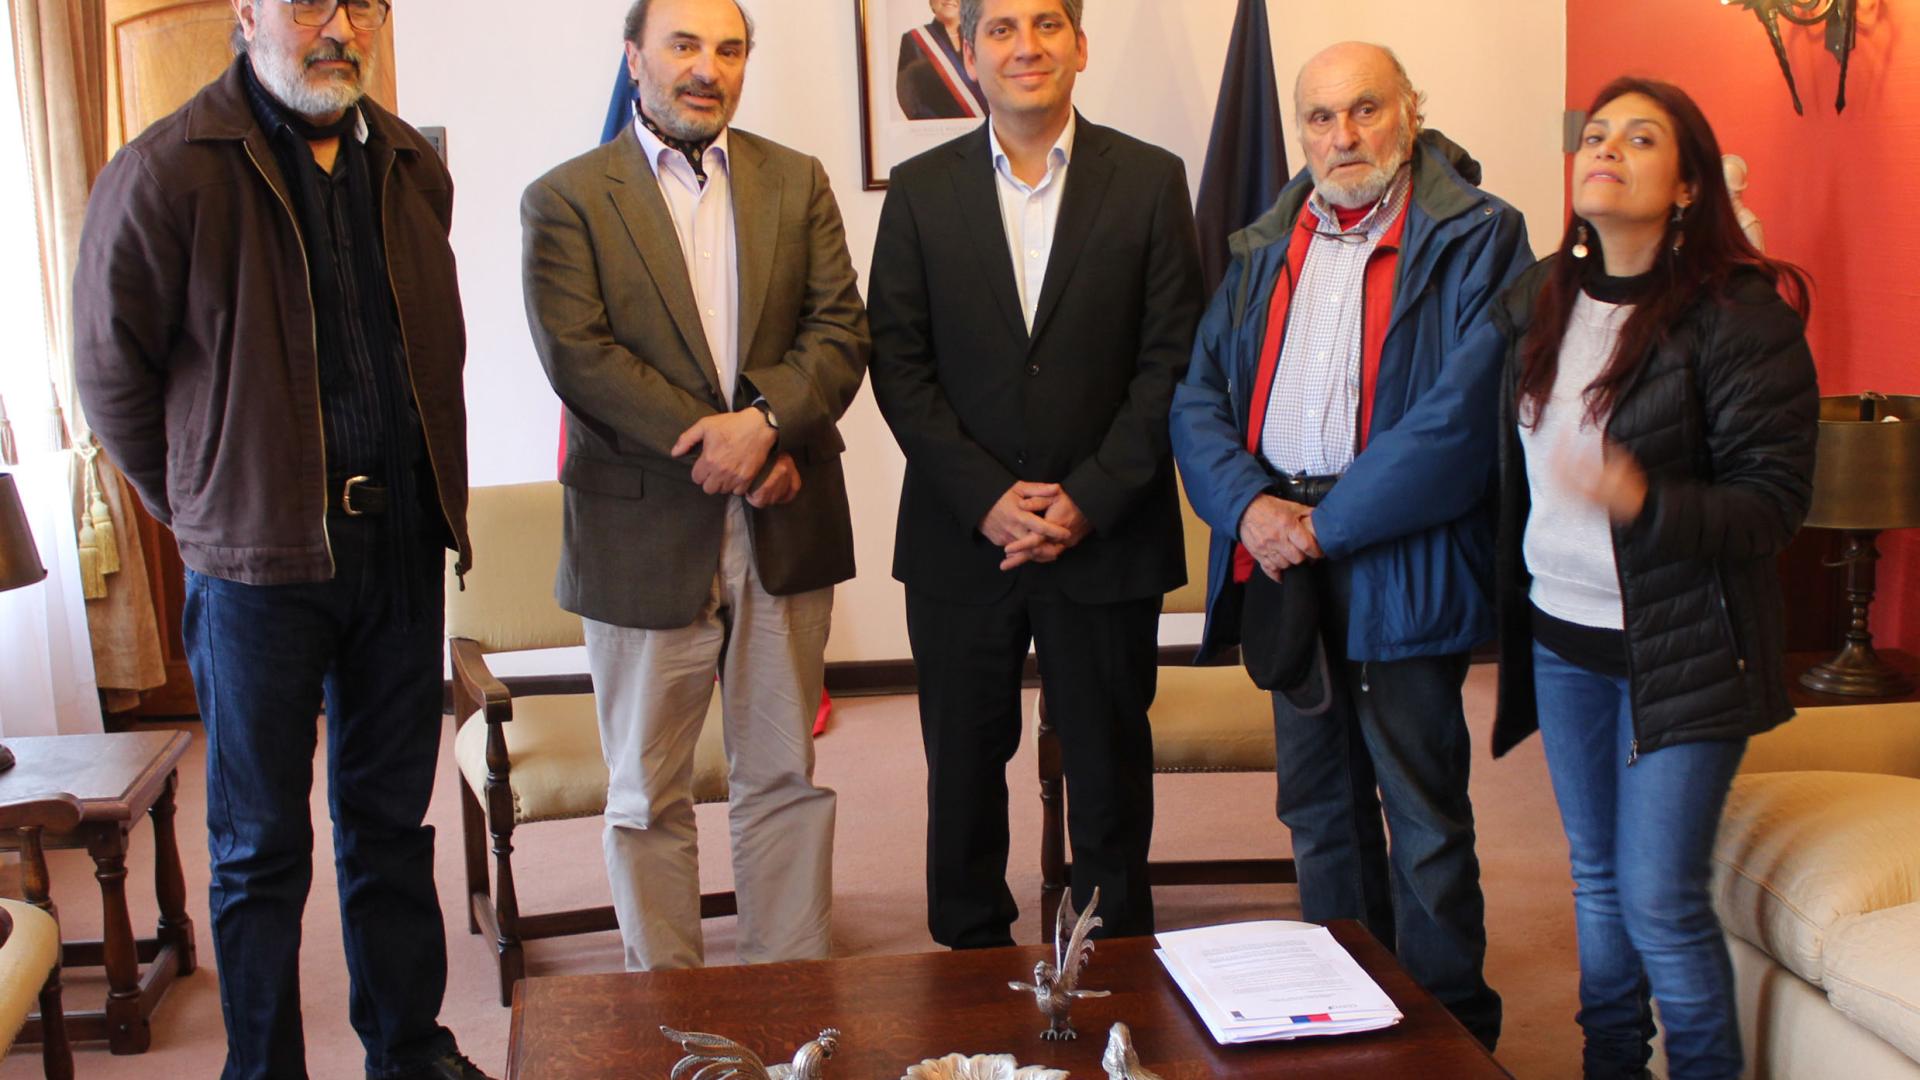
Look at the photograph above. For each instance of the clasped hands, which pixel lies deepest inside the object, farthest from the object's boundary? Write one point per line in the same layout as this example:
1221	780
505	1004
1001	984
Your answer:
734	448
1279	534
1034	522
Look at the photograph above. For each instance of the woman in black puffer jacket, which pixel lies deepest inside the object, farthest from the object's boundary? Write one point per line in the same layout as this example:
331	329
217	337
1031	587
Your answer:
1657	454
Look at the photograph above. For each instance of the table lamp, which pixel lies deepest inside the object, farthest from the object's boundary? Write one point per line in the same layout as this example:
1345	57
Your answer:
19	558
1866	478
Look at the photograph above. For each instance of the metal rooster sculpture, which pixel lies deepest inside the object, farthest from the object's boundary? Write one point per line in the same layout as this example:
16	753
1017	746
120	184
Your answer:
1120	1061
710	1057
1055	986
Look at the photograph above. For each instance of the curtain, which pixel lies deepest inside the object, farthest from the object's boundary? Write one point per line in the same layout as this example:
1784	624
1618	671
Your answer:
49	684
60	57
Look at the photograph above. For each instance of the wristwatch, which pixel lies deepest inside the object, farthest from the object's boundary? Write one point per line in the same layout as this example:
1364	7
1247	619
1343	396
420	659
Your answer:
766	411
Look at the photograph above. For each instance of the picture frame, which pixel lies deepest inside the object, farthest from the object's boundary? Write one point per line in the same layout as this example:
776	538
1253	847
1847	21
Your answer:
915	92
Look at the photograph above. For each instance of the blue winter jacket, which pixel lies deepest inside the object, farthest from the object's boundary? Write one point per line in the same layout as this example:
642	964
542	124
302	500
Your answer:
1413	515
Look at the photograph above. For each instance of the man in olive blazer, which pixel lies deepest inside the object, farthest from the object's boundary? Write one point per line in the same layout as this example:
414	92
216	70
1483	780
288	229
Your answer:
693	303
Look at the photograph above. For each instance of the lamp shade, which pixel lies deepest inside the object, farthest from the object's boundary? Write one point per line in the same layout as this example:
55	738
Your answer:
19	558
1867	475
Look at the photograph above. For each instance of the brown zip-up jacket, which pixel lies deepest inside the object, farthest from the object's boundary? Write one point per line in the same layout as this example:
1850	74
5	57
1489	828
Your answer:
194	336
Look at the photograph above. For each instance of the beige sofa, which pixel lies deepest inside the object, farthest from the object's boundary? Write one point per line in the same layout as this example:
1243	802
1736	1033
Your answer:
1817	883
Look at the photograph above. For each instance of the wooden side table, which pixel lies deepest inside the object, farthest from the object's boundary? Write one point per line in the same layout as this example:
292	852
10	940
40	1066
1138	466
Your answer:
117	778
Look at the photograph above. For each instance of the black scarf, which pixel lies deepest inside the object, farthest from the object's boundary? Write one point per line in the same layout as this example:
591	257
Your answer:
695	152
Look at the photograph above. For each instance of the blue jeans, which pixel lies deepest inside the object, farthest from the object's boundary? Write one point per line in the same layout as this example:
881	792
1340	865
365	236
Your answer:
263	656
1640	837
1394	738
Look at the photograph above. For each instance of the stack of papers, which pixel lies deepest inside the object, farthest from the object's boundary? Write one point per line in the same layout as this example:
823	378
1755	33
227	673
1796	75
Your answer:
1257	981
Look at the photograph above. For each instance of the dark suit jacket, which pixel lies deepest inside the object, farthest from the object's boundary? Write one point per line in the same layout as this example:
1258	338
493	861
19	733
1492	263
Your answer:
613	318
977	403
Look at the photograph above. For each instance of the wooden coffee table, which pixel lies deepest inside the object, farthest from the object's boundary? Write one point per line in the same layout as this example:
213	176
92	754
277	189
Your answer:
893	1011
119	779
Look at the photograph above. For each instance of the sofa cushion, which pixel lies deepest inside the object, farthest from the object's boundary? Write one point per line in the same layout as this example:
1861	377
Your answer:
1791	1031
1850	738
1801	853
1873	974
556	769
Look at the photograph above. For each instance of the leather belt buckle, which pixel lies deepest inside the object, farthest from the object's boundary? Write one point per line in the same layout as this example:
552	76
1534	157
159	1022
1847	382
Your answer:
346	495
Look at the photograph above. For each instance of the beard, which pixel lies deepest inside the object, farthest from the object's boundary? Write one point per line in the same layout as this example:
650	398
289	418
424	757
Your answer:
662	104
1369	188
314	95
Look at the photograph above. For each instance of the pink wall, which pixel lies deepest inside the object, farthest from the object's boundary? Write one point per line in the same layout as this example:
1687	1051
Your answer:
1836	193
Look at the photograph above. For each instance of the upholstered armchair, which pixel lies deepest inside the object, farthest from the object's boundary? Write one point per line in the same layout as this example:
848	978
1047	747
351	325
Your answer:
1206	719
529	749
30	933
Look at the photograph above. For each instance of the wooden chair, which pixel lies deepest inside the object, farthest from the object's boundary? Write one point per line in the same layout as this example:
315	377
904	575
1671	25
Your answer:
529	749
1206	719
30	935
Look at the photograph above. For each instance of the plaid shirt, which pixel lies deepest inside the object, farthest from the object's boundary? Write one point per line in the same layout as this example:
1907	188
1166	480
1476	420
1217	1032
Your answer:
1313	410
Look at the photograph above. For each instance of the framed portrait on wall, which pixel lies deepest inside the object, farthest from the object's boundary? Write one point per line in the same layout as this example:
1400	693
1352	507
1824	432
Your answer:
915	92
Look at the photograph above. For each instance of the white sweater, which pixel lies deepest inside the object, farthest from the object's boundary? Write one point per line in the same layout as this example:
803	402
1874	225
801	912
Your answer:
1569	541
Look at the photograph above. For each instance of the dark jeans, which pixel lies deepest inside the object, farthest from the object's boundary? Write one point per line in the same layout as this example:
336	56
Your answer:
1394	738
262	657
1641	841
1097	670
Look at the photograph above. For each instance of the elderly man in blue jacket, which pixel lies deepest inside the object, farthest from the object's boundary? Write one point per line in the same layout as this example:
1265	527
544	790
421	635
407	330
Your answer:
1336	429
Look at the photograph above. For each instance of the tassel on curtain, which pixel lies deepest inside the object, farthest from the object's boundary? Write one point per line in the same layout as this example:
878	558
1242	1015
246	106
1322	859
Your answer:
9	450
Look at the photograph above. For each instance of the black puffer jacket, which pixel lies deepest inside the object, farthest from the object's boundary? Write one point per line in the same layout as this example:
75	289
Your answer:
1723	417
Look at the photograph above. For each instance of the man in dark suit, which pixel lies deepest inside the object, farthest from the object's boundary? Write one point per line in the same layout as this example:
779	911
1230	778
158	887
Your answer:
691	297
1035	291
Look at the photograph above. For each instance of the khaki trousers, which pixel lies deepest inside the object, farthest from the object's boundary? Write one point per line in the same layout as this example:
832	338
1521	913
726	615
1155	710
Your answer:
653	688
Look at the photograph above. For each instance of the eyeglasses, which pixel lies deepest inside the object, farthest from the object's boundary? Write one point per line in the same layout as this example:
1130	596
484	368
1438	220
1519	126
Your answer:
363	14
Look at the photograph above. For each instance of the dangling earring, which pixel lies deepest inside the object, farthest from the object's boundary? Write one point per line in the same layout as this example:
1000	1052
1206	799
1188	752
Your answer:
1679	227
1579	249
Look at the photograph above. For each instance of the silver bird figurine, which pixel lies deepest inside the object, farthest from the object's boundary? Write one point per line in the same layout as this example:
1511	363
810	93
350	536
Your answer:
711	1057
1055	986
1120	1061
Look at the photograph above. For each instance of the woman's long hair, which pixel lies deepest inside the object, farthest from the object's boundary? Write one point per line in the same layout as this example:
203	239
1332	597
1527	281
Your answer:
1713	248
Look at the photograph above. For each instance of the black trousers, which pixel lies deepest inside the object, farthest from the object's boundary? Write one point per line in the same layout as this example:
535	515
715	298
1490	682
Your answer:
1097	671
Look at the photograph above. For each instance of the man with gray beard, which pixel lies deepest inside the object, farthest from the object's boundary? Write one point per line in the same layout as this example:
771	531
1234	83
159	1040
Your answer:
269	343
1336	428
691	298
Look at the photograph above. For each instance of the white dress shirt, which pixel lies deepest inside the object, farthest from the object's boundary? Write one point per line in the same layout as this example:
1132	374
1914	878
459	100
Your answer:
1029	214
703	222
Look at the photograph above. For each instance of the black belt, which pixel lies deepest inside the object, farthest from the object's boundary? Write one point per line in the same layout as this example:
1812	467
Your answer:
1305	490
357	496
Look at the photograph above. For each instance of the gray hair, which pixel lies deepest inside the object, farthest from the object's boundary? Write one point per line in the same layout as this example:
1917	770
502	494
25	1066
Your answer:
1413	103
636	24
970	16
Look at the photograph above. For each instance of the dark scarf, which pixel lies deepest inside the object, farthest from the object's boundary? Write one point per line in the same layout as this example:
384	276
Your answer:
695	152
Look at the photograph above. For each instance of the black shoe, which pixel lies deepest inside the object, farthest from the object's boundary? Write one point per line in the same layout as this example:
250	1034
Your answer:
452	1065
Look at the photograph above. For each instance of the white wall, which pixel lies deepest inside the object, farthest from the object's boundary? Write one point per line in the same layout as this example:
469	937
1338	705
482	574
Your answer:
520	96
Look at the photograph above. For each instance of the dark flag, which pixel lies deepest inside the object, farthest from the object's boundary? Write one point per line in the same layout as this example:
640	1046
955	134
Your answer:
620	107
1246	154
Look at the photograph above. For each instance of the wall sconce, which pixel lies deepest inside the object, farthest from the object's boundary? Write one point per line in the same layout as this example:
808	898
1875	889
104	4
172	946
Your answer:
1837	15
